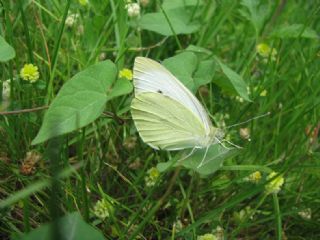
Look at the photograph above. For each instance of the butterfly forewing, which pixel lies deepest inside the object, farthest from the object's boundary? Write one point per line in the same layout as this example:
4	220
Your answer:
164	123
150	76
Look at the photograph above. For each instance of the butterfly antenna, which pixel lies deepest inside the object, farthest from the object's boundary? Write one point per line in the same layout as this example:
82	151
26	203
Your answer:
263	115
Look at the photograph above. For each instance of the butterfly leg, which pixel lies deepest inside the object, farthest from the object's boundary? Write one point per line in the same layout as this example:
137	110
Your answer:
220	142
232	144
189	154
204	157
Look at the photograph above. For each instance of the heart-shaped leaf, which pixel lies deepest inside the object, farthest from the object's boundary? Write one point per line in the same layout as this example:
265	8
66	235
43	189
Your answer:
80	101
236	84
204	73
71	227
200	161
6	51
294	31
179	19
170	4
121	87
183	67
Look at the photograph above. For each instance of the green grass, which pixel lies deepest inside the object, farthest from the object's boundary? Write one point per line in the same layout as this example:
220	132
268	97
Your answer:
110	161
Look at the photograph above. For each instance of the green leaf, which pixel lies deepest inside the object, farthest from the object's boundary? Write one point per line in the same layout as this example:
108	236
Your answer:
71	227
198	50
294	31
178	17
183	67
204	73
6	51
121	87
256	13
80	101
92	31
236	84
170	4
189	70
35	187
213	161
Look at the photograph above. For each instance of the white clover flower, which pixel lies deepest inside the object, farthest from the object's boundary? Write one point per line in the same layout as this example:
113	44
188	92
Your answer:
103	209
6	89
305	214
133	9
71	19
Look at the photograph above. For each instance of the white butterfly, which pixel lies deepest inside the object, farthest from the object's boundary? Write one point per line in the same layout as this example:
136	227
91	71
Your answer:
167	115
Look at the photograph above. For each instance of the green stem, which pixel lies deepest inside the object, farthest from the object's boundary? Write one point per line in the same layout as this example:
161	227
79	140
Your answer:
10	40
83	177
26	31
55	53
186	202
245	219
26	214
171	27
277	216
157	206
53	151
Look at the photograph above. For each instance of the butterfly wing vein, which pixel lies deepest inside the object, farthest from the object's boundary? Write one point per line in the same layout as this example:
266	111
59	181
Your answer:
164	123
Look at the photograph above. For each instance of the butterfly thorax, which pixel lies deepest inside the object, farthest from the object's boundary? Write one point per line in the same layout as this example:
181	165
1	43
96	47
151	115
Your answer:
214	137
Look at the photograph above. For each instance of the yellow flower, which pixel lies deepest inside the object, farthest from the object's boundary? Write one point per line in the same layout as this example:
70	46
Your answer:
255	177
71	19
207	236
30	73
275	185
126	73
154	173
83	2
264	50
151	178
263	93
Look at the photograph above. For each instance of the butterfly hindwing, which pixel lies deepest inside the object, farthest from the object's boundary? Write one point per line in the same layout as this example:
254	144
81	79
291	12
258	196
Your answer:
164	123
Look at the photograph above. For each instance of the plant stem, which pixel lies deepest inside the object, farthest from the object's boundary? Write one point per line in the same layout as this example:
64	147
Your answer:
277	216
171	27
26	31
158	204
55	53
83	176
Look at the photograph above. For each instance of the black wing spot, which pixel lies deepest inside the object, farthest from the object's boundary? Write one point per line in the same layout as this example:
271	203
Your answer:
159	91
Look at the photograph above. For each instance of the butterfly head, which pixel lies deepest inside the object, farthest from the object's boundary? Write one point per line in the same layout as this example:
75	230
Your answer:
216	135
